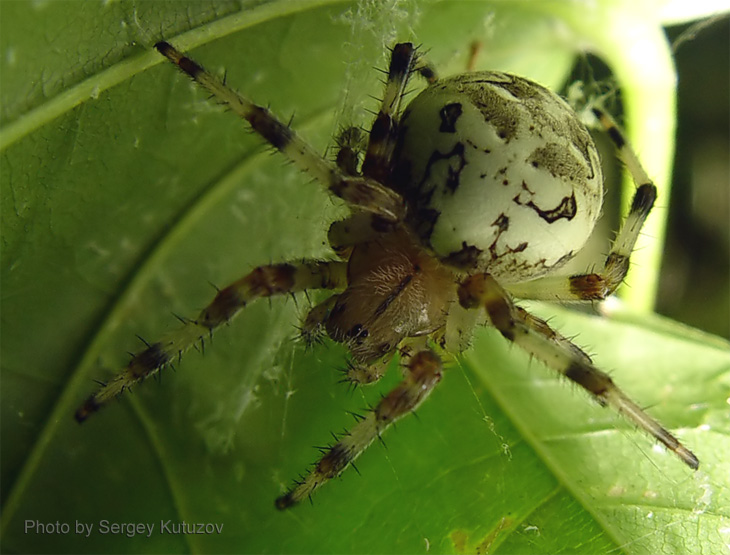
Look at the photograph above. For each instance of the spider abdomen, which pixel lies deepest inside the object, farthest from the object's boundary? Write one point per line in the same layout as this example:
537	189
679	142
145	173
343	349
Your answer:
499	174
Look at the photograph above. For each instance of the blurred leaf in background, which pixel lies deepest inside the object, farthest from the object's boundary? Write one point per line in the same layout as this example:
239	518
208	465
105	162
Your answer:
124	192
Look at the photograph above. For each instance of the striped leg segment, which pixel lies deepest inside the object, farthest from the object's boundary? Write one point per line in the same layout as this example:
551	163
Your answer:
384	131
422	374
264	281
404	60
361	192
598	286
557	352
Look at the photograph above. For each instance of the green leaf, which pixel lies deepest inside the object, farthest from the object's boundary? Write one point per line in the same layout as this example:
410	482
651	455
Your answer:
124	192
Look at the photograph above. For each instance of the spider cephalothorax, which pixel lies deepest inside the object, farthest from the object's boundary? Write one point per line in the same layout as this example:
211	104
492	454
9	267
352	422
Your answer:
478	190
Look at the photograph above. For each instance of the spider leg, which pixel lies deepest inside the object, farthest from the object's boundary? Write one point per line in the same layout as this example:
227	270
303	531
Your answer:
264	281
474	49
350	145
384	131
351	142
557	352
358	228
598	286
404	60
423	372
426	70
365	374
313	325
358	191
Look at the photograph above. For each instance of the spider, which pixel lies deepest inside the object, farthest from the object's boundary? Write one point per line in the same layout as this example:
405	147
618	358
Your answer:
475	192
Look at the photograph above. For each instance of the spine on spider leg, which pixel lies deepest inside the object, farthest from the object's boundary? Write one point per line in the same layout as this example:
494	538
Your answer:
424	372
144	364
264	281
364	193
558	353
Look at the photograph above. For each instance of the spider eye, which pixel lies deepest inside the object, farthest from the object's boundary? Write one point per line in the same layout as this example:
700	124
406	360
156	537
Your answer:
357	331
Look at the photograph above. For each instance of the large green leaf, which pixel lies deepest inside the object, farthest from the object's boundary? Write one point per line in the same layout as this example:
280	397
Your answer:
124	191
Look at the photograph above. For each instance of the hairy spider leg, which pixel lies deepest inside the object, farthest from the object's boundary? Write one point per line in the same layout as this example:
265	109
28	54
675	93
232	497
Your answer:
360	192
426	70
358	228
350	145
364	374
423	372
598	286
264	281
313	330
558	353
351	141
384	131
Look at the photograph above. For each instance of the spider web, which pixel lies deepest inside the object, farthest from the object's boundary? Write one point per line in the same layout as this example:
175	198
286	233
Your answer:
375	26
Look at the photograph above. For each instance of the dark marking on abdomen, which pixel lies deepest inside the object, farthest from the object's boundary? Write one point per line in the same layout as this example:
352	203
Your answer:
449	116
566	209
453	170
